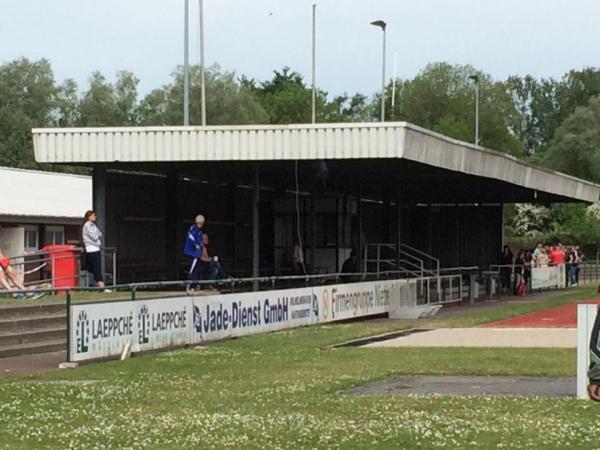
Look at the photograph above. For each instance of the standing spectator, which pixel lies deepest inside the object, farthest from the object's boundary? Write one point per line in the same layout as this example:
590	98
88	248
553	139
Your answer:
6	271
519	269
575	266
568	262
193	249
572	265
92	244
527	262
542	259
506	262
539	248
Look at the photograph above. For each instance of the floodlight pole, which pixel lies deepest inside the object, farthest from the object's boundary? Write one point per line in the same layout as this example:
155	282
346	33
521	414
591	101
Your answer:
475	79
314	63
381	24
202	80
186	66
393	114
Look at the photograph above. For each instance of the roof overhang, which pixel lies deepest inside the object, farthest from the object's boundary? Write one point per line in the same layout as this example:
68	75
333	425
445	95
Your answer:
347	141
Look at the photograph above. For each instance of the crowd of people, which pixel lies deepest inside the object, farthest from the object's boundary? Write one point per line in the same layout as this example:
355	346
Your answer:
540	256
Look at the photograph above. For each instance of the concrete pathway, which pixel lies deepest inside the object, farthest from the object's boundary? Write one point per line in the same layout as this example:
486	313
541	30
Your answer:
486	337
31	363
470	385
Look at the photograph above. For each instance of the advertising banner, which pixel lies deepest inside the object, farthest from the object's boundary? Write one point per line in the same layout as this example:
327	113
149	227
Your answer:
162	323
232	315
548	277
345	301
101	330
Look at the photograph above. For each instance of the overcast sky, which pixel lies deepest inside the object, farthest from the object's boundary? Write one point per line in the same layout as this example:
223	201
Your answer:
545	38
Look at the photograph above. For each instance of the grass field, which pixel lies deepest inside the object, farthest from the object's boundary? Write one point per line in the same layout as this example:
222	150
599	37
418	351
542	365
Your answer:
282	390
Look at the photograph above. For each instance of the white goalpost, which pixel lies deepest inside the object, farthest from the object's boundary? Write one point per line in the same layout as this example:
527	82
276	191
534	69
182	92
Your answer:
586	316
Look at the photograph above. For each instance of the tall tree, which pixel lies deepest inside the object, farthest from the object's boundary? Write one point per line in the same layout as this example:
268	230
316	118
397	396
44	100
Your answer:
67	104
27	100
105	104
576	145
442	98
545	104
229	101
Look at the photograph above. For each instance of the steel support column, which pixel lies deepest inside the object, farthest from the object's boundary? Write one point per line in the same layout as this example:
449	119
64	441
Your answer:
313	232
99	204
255	226
172	221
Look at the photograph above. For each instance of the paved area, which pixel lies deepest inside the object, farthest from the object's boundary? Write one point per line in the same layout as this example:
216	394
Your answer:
31	363
486	337
470	385
559	317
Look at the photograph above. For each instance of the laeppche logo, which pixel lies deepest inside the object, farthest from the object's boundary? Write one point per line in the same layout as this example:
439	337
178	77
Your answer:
82	331
197	319
144	325
326	303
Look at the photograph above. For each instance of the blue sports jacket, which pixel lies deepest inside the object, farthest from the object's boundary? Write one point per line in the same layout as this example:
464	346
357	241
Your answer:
193	242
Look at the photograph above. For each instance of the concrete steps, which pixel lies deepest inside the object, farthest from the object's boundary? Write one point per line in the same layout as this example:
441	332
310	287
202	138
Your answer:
33	348
32	328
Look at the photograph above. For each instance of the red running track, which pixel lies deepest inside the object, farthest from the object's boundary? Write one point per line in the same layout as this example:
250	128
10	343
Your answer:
559	317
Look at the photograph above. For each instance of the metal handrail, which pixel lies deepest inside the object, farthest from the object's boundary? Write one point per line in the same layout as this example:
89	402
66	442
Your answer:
422	253
229	281
41	257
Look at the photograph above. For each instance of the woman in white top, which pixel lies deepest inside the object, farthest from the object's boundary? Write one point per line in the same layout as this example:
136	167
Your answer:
92	242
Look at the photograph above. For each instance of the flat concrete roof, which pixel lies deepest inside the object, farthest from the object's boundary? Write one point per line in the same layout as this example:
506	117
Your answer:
343	141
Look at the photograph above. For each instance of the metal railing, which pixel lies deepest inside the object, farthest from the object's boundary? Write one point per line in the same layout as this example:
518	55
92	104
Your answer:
434	263
410	260
440	290
45	262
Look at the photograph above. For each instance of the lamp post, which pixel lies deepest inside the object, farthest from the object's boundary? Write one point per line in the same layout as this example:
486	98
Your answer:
202	82
314	64
475	79
381	24
186	66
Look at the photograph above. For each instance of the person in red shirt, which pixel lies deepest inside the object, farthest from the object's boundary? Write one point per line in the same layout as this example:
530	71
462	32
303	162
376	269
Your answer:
560	254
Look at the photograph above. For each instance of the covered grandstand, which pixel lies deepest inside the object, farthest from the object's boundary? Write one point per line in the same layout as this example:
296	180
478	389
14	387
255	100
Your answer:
400	193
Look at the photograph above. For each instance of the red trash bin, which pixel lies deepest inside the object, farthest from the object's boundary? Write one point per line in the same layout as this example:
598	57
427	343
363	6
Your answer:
64	265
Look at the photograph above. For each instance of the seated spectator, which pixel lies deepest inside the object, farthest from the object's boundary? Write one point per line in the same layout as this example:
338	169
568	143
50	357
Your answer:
298	258
351	264
209	266
6	271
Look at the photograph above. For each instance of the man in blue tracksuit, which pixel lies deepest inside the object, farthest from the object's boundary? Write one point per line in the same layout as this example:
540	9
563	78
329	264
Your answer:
193	249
